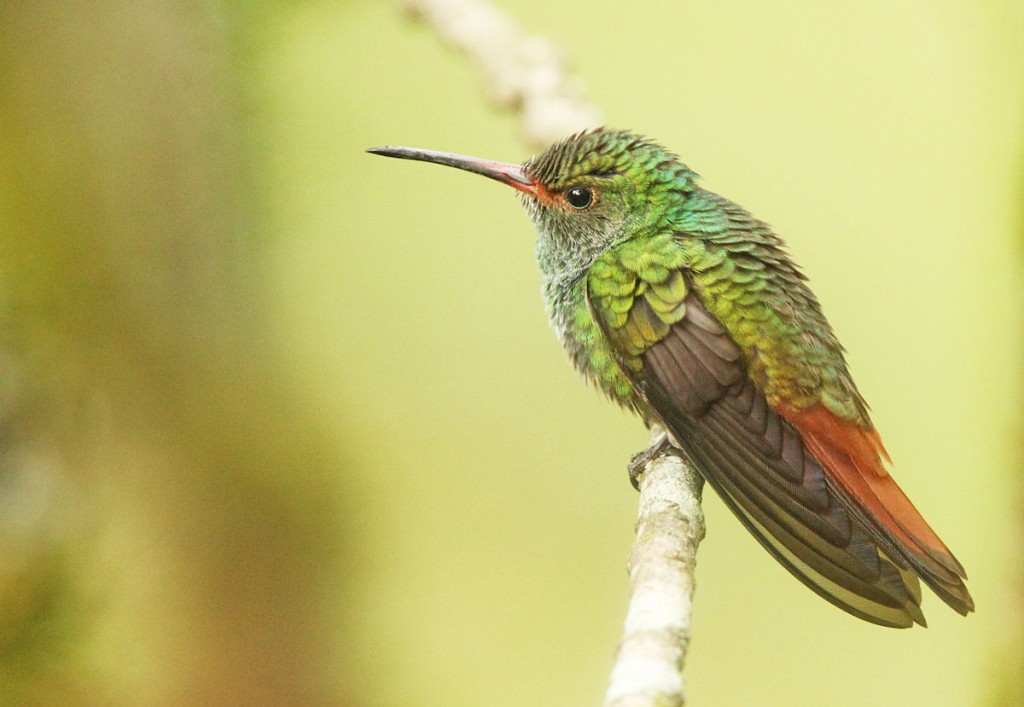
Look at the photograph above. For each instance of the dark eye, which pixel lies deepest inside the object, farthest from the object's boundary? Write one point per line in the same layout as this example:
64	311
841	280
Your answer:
579	197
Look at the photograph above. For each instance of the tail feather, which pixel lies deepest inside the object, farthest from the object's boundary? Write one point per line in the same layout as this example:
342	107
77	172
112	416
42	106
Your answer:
852	458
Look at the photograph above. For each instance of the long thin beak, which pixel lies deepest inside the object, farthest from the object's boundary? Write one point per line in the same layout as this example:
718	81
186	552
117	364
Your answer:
511	174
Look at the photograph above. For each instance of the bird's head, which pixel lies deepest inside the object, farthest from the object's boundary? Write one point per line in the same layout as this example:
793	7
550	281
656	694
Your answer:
584	193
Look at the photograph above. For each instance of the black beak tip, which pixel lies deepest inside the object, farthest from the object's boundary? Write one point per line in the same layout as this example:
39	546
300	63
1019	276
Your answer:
405	153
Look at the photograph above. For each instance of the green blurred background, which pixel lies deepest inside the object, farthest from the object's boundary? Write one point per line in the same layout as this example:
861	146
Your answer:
283	423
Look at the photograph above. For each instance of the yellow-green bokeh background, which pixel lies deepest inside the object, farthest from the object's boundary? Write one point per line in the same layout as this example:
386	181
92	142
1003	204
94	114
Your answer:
485	514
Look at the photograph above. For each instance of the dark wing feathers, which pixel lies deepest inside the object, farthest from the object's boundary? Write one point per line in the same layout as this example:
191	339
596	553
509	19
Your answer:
694	380
833	571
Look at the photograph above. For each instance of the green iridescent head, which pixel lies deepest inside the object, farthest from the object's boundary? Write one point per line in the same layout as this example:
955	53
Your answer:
601	187
584	193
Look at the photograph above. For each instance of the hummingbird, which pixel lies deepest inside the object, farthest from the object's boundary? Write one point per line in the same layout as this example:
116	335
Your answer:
678	304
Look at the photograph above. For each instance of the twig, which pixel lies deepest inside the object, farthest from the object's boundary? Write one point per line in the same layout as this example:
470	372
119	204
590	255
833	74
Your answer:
649	667
527	74
523	72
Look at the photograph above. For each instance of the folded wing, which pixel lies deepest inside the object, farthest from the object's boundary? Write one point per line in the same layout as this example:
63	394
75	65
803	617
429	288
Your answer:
770	472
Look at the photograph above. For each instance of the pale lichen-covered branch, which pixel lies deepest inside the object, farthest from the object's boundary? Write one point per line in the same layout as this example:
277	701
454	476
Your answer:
521	71
649	665
527	73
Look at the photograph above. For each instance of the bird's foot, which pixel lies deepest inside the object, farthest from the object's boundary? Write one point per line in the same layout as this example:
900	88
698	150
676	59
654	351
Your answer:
639	461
